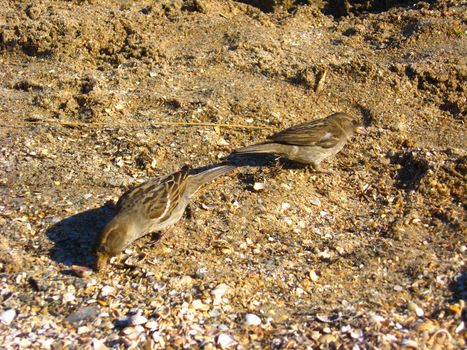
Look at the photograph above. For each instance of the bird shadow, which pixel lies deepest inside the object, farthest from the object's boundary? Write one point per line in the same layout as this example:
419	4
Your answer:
367	115
458	287
413	168
74	237
262	160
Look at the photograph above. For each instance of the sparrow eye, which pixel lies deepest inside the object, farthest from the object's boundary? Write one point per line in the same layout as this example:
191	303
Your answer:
101	249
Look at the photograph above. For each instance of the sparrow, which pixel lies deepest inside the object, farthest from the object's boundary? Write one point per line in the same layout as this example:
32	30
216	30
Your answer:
311	142
150	207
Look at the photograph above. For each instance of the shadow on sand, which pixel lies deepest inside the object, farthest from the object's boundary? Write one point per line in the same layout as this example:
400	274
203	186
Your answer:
262	160
459	288
75	236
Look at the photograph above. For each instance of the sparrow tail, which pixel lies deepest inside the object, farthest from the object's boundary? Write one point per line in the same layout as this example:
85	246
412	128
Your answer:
262	148
207	176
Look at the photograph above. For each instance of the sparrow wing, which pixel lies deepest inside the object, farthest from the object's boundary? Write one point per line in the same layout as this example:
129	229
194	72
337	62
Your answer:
157	197
320	133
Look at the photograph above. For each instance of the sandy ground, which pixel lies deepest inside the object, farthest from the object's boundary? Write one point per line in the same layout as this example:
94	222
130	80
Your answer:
98	96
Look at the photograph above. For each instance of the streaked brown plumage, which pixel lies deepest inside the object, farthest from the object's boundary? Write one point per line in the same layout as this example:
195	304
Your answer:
150	207
310	142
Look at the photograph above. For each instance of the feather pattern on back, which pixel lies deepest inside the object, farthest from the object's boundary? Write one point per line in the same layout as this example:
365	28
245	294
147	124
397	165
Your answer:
323	133
160	196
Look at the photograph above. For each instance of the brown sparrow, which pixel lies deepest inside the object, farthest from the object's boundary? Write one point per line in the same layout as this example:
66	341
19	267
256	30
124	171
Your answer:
149	207
311	142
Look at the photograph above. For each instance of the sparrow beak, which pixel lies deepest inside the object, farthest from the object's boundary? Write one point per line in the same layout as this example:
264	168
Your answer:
360	130
101	261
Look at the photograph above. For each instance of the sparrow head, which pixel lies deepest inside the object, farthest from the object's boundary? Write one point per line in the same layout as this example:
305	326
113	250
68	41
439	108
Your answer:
349	124
112	240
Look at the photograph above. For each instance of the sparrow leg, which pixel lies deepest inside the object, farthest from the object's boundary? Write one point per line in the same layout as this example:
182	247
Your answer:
155	238
277	163
277	167
189	212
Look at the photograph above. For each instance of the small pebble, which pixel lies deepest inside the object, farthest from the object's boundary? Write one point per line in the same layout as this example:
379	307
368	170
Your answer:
159	286
377	318
83	329
285	206
183	282
107	290
252	320
346	328
136	320
313	276
415	308
315	335
299	291
220	290
258	186
128	330
84	313
327	338
68	297
199	305
427	326
419	312
98	345
222	142
315	201
151	324
356	334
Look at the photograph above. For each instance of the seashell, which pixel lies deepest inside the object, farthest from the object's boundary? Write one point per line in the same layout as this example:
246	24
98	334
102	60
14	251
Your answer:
164	312
225	340
188	298
7	316
408	343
